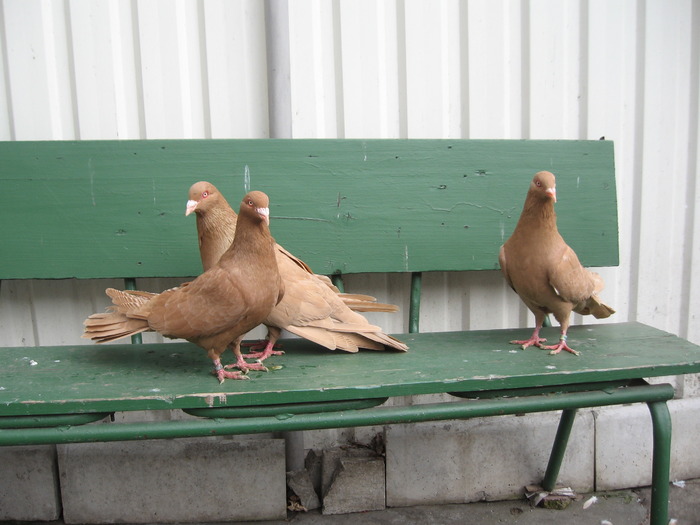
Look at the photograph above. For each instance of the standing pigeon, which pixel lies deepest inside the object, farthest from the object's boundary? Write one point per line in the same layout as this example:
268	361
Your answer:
312	307
544	271
218	307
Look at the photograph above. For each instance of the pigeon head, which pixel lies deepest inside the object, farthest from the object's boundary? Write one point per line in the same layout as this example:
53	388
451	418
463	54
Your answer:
256	204
544	185
201	197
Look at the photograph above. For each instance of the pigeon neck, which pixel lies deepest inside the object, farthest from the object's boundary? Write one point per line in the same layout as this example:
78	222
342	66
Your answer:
541	211
252	238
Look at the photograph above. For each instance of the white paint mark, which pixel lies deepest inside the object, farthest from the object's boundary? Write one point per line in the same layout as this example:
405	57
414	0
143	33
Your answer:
405	256
578	182
246	179
33	363
92	181
551	367
2	388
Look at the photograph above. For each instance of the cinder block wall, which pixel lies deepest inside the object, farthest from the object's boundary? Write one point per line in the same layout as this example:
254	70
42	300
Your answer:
219	479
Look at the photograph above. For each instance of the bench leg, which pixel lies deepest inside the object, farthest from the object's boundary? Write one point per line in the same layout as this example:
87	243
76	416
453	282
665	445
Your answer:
560	441
661	463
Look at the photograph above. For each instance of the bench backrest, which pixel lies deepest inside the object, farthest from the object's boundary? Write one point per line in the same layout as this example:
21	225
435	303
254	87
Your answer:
92	209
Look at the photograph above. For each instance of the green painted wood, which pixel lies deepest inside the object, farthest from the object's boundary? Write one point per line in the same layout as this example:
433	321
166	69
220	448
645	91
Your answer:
91	209
75	379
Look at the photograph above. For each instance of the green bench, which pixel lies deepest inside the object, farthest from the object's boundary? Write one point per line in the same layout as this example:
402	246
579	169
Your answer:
114	209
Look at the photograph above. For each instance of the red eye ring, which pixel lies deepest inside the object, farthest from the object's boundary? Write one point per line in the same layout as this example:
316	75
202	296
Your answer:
205	194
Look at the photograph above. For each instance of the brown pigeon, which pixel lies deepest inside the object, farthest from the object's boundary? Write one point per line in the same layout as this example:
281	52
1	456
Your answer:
544	271
218	307
312	307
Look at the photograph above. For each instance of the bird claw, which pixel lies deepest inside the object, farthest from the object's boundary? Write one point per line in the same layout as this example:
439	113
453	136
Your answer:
555	349
244	367
529	342
261	356
221	374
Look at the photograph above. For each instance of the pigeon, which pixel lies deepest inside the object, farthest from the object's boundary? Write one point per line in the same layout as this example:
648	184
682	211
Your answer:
544	271
217	308
312	307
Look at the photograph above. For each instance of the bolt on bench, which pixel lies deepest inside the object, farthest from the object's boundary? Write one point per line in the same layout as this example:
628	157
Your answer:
106	209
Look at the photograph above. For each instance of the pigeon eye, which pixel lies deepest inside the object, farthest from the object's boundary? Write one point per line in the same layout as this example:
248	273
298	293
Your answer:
205	194
250	202
539	184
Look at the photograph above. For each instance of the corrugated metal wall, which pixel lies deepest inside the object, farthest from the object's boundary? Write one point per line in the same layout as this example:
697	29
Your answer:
547	69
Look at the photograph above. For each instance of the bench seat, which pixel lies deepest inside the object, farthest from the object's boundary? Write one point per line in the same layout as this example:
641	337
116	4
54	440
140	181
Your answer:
112	378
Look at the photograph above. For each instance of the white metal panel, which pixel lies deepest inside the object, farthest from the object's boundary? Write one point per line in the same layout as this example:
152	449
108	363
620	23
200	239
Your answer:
38	72
236	77
434	69
314	61
370	69
494	35
664	160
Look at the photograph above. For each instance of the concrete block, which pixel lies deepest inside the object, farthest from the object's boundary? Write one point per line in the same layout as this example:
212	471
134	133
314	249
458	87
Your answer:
691	385
179	480
29	484
623	447
624	444
300	483
358	485
482	458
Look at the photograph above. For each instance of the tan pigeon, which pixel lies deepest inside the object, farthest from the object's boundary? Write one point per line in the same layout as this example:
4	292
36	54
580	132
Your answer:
544	271
218	307
311	308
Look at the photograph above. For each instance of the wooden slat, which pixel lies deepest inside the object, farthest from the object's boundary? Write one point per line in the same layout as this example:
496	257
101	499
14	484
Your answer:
164	376
116	208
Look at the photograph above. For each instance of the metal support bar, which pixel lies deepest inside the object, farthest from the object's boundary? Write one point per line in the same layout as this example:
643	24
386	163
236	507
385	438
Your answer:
342	419
337	280
414	309
661	462
130	284
559	448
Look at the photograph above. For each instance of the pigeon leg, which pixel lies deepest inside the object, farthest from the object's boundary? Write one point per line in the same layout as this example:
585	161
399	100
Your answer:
241	363
221	373
555	349
268	347
267	352
535	340
257	346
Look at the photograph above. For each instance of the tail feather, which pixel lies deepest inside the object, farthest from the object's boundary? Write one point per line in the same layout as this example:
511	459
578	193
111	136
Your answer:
111	326
366	303
593	306
129	302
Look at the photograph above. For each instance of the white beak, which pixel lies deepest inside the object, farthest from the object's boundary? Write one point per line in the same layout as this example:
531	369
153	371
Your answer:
264	213
191	205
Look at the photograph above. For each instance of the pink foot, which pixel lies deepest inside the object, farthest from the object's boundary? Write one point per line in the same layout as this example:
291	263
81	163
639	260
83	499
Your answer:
263	344
221	373
267	352
242	365
533	341
555	349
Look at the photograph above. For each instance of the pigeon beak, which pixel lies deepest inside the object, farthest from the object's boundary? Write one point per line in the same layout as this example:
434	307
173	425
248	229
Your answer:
265	214
191	205
552	192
